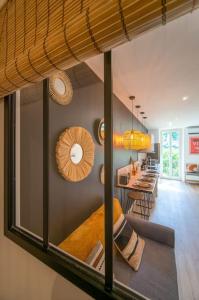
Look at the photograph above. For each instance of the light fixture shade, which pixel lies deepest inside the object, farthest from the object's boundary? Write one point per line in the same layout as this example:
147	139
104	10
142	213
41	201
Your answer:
147	142
118	140
132	140
142	140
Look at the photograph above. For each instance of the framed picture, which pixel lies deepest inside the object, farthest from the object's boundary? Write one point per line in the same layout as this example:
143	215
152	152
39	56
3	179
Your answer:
194	145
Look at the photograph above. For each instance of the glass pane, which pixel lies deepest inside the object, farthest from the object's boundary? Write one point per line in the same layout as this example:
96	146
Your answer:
76	186
129	168
165	153
175	153
29	159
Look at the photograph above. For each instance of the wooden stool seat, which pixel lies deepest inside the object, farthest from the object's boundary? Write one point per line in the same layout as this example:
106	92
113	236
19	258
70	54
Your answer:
141	203
136	195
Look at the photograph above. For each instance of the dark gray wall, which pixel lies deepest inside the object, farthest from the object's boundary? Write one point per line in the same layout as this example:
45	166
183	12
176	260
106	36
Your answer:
72	203
156	153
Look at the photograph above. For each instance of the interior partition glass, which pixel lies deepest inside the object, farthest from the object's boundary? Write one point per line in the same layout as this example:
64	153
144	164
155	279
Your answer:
74	211
29	159
76	164
128	126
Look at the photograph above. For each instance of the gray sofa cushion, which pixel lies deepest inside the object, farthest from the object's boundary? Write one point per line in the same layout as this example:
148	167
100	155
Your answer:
153	231
156	277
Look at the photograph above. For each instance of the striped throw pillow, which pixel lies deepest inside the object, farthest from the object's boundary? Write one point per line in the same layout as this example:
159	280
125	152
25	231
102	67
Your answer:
128	242
96	258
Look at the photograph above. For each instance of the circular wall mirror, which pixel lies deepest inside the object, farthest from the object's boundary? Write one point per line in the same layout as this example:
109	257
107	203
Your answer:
102	179
60	88
76	153
101	132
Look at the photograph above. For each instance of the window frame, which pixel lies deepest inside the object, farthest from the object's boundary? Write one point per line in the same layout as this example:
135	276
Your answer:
87	279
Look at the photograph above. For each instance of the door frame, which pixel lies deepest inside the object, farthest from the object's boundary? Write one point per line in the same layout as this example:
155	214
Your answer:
170	130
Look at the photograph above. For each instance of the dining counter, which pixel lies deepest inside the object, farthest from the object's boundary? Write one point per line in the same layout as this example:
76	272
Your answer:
143	182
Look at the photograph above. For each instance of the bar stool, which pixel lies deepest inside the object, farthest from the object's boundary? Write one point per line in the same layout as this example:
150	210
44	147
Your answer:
137	198
142	201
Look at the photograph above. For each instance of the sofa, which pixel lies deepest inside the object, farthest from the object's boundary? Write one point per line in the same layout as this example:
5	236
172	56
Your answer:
157	275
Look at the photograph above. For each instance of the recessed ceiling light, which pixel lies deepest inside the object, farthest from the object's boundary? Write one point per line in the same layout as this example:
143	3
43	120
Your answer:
185	98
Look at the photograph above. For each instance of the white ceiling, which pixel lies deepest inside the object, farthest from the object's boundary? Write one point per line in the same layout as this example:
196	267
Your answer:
159	68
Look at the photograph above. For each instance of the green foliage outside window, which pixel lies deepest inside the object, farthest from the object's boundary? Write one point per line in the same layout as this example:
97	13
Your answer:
175	155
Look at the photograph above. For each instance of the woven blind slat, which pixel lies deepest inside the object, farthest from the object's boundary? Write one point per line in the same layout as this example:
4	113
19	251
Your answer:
38	37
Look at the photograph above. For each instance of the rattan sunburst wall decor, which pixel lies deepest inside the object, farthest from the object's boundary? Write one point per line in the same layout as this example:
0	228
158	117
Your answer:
75	152
60	88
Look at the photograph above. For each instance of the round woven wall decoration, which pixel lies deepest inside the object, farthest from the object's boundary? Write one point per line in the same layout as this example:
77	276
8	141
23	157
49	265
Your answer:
75	154
60	88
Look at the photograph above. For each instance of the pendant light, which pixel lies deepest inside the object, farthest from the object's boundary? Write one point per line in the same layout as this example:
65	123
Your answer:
147	137
142	135
131	138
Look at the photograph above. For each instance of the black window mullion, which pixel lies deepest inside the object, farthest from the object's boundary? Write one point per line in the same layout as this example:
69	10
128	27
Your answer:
108	162
45	165
9	167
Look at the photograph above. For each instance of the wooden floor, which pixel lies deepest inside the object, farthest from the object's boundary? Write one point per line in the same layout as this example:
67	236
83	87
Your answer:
177	206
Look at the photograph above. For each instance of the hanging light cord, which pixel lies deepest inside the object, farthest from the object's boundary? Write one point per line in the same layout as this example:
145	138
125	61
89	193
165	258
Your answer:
139	122
132	114
139	125
132	127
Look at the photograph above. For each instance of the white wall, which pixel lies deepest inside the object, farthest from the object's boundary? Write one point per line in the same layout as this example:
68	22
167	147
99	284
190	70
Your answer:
22	276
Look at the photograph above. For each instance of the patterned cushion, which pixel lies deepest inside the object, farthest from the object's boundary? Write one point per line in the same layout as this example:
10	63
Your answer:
128	242
96	258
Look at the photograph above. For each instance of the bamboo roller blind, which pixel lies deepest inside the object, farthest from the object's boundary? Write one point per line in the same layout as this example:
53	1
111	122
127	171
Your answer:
38	37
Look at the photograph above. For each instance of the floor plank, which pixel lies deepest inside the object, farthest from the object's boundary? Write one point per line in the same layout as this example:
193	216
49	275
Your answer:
177	206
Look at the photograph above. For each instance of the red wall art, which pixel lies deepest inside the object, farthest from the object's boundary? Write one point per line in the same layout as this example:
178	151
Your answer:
194	145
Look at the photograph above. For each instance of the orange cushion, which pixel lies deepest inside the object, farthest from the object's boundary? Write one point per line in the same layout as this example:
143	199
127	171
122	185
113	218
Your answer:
82	240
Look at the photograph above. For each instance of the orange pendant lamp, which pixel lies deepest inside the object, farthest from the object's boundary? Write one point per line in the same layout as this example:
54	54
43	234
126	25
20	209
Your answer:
117	140
142	141
147	138
131	138
147	141
143	135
